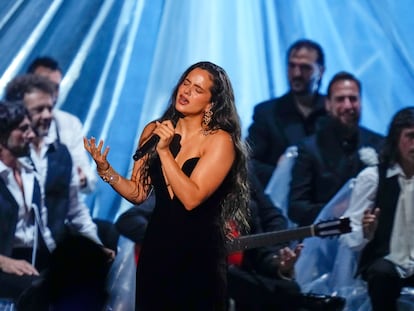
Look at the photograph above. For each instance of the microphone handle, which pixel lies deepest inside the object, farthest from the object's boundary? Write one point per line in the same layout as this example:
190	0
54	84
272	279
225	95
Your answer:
147	147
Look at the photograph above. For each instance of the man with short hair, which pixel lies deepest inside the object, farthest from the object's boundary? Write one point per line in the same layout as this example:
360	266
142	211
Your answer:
23	252
282	122
66	126
332	156
52	160
382	218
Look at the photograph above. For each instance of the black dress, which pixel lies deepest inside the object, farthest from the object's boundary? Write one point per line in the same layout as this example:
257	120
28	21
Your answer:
182	264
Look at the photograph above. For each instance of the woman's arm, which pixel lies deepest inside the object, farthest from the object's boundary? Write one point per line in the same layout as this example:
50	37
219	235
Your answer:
130	189
216	159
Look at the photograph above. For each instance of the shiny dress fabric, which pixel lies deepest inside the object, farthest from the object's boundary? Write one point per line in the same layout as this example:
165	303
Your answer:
182	264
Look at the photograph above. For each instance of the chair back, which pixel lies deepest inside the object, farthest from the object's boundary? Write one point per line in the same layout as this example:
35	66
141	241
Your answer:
278	186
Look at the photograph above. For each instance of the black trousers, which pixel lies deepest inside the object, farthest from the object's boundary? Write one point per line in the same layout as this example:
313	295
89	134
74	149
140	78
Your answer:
254	292
12	285
384	285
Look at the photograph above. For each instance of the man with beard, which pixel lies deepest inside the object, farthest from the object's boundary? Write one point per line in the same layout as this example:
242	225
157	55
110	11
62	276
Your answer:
66	125
282	122
333	155
52	160
20	201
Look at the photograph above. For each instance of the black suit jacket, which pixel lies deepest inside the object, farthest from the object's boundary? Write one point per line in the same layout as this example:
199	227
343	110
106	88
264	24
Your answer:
325	162
9	216
277	124
388	193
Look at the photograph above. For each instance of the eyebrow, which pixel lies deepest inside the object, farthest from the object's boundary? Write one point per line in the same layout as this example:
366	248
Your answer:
195	84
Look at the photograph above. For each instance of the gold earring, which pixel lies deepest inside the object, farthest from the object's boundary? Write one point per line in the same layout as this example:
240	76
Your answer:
208	114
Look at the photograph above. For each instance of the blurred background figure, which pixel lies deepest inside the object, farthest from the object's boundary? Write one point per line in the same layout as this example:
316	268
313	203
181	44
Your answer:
334	154
76	279
66	126
24	251
282	122
381	211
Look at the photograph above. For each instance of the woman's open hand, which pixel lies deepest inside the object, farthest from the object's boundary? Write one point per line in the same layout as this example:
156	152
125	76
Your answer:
96	152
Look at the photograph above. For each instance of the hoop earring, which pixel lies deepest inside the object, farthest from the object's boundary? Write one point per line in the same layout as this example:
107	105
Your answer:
208	114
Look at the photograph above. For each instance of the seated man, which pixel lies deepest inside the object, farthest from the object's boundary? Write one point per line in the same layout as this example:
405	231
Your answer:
381	212
65	125
23	252
56	174
51	158
265	280
334	154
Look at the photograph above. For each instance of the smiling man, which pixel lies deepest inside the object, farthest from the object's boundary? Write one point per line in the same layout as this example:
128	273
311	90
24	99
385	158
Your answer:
52	160
330	157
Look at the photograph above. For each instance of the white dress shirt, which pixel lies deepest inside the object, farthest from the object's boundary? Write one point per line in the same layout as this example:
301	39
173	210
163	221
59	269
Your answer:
363	197
78	215
25	234
71	134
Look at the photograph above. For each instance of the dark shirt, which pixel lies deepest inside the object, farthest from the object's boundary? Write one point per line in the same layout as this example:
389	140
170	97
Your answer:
325	162
278	124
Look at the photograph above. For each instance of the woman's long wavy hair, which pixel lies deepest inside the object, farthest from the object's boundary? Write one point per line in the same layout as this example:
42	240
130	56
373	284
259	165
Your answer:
402	119
235	201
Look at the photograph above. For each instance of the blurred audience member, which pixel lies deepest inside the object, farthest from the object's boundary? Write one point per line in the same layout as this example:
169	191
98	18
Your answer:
52	160
66	126
75	280
133	222
282	122
25	238
337	152
381	212
265	279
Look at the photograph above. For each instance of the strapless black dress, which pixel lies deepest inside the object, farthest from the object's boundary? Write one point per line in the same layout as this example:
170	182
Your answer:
182	264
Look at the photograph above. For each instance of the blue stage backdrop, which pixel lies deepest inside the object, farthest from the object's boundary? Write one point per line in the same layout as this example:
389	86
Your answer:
122	58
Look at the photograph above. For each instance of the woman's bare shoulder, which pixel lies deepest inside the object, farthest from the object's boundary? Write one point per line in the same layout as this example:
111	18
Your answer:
221	134
219	137
147	132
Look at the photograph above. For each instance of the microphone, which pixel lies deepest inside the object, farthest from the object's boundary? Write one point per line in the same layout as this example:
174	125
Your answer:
147	147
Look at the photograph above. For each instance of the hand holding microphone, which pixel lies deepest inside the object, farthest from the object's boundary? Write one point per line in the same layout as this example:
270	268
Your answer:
161	139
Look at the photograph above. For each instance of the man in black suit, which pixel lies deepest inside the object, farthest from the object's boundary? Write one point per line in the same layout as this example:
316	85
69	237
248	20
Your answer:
334	154
281	122
264	280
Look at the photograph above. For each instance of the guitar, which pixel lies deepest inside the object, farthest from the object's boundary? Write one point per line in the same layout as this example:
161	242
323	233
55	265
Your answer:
327	228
